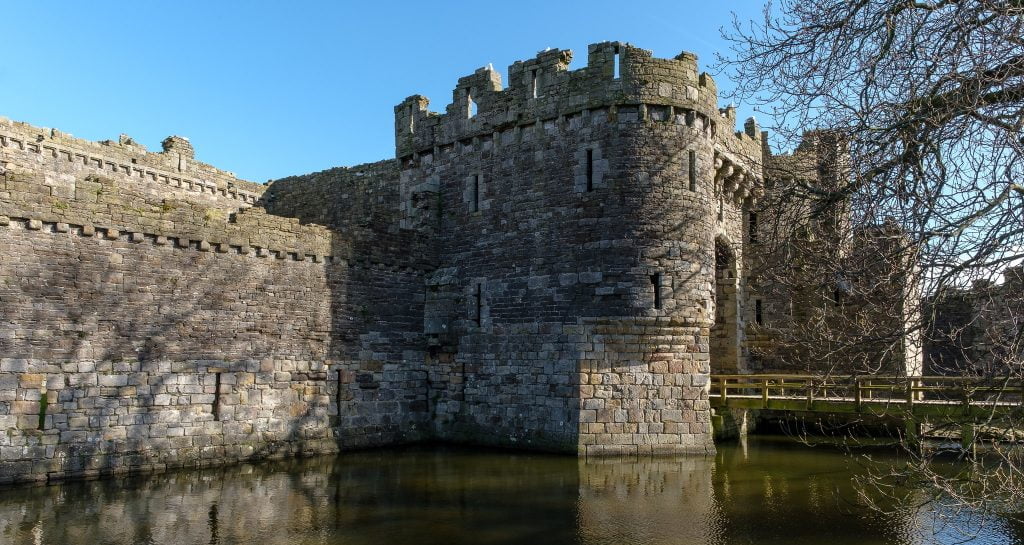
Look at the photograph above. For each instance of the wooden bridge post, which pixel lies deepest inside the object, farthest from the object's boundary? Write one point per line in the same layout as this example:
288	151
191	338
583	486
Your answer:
764	393
910	392
967	400
857	393
724	390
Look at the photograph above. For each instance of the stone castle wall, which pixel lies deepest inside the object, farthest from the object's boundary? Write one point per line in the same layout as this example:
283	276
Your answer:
977	331
832	299
536	268
172	323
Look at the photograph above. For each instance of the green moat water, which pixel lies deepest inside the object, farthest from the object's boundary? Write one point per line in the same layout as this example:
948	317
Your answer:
764	491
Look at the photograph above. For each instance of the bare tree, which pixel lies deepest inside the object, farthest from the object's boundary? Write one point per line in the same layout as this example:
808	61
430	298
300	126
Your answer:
919	192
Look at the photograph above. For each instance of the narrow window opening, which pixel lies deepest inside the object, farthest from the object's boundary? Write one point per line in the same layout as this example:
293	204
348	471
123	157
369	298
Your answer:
412	120
615	70
534	81
337	395
476	192
216	396
758	312
721	209
472	103
752	226
43	403
656	282
479	303
692	165
590	170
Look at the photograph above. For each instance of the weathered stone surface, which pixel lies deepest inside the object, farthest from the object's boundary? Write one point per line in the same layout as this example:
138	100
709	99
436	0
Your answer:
539	274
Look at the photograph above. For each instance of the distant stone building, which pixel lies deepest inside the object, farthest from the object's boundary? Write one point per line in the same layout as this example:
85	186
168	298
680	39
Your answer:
977	331
559	264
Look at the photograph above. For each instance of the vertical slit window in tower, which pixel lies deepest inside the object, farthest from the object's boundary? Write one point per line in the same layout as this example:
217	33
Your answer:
412	120
479	303
534	81
656	282
721	208
476	192
692	160
615	69
216	396
472	104
758	315
590	170
752	226
337	394
43	404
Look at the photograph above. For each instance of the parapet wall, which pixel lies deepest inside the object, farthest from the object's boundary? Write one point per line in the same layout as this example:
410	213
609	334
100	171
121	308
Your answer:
544	89
95	202
173	172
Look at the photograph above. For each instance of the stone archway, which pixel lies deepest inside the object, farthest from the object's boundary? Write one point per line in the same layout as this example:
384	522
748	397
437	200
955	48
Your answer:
724	341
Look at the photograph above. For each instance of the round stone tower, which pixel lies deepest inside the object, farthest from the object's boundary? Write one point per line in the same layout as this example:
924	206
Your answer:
590	228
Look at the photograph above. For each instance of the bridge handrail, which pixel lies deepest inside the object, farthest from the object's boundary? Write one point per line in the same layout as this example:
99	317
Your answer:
863	376
952	390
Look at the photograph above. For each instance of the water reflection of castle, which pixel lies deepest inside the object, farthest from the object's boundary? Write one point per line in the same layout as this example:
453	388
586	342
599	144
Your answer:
756	493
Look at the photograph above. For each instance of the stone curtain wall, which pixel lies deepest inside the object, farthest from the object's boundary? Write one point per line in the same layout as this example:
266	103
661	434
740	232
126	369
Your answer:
363	197
178	327
361	203
563	202
129	337
378	308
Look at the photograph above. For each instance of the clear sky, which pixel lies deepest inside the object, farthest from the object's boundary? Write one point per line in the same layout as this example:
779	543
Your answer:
269	89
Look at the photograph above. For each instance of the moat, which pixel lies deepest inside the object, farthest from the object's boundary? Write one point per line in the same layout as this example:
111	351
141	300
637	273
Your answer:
765	490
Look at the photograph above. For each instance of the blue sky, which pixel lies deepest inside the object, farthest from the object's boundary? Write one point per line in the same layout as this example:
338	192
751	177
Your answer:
268	89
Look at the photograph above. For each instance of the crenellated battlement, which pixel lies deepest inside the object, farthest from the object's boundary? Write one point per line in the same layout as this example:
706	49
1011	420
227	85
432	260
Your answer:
544	89
174	169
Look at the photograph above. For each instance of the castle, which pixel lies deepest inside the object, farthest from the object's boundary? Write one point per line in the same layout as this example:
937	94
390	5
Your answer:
557	264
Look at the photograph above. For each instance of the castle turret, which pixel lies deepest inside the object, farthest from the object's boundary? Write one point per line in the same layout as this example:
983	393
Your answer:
578	213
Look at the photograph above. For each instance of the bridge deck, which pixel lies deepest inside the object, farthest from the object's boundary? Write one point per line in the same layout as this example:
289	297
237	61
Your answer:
960	398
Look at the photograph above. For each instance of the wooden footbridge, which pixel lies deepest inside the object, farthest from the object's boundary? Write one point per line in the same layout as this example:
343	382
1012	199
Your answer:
964	401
